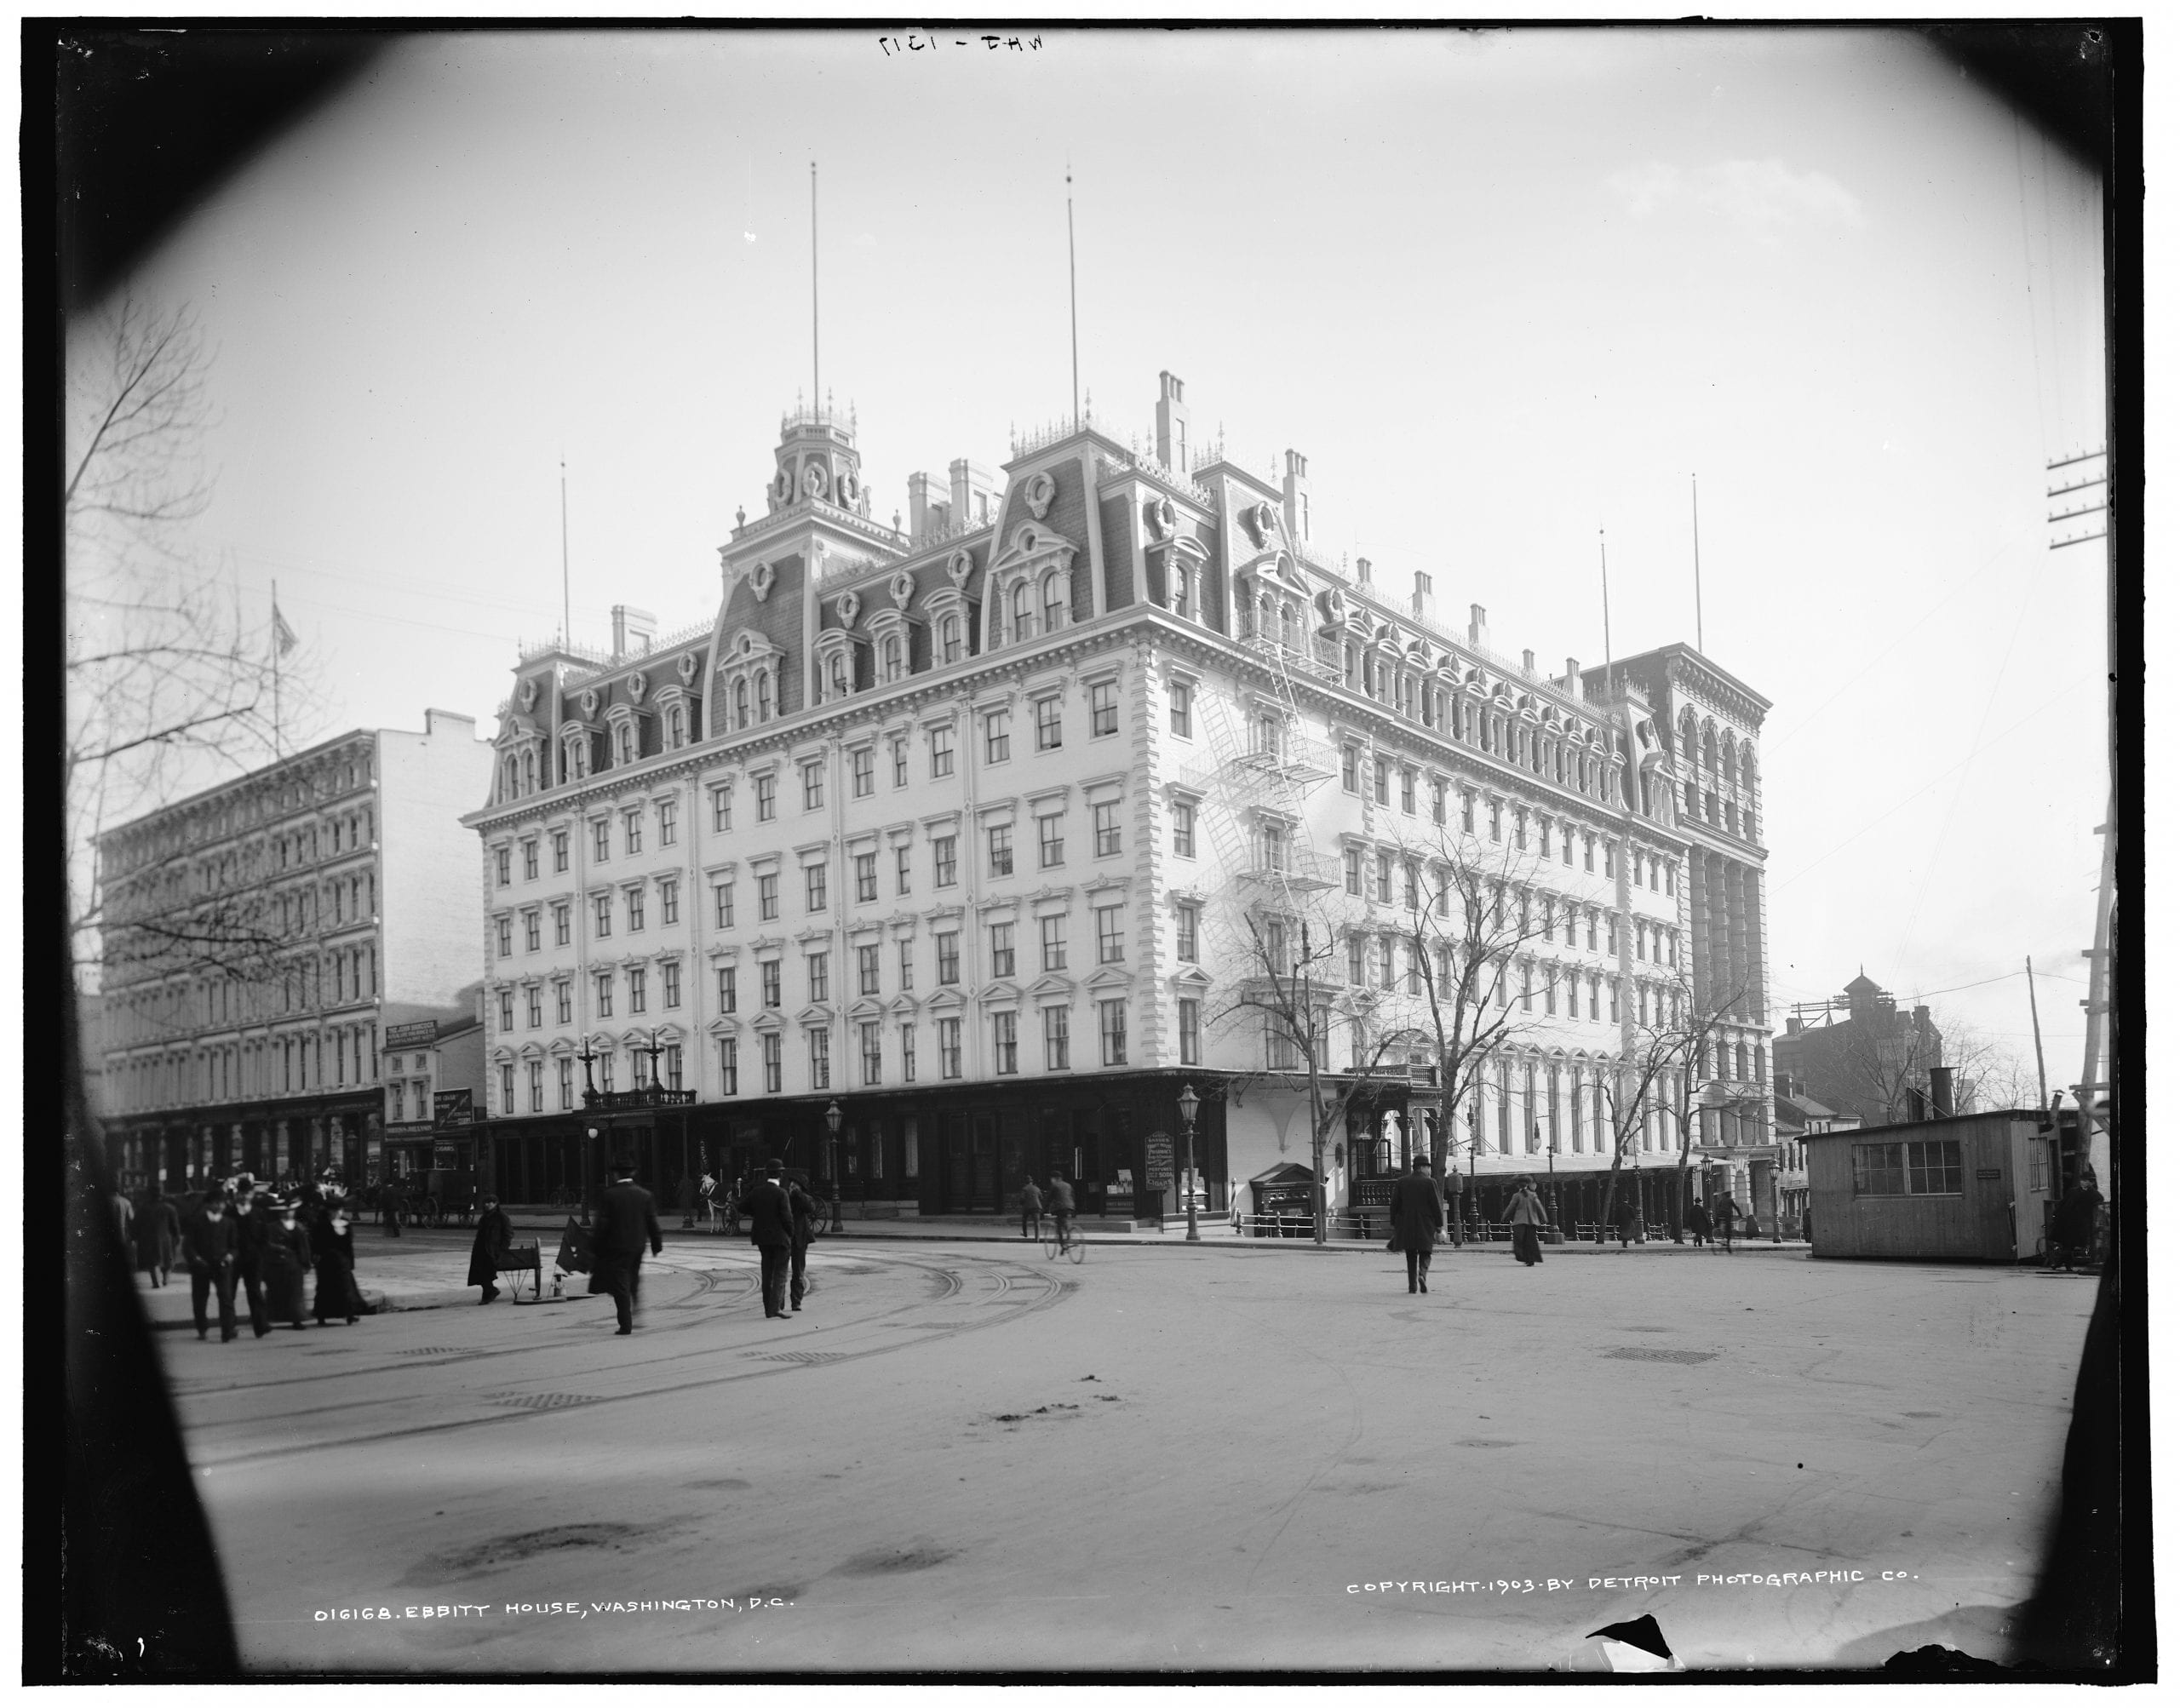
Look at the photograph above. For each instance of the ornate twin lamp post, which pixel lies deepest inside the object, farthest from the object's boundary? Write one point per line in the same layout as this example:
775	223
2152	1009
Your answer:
1189	1102
833	1151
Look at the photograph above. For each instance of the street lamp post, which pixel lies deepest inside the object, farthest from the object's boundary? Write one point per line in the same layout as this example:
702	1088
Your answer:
832	1145
590	1138
1189	1102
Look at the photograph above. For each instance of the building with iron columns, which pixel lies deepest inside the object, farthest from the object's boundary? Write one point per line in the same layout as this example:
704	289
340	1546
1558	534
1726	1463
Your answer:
948	826
261	934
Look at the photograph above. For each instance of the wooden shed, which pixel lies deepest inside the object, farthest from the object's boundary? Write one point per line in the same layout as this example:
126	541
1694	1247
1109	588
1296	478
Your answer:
1970	1188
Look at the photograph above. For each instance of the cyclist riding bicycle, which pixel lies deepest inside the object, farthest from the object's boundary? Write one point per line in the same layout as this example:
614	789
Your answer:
1060	1201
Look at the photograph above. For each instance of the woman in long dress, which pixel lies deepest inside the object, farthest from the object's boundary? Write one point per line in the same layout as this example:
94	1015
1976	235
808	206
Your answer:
334	1249
1526	1212
287	1261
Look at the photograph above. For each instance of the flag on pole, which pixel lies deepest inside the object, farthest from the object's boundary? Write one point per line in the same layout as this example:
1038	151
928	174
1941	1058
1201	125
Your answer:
283	636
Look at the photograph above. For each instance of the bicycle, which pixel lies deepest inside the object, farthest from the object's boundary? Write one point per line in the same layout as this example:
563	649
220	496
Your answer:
1065	1241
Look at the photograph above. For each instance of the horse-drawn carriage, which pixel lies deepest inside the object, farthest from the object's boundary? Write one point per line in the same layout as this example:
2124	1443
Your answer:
432	1198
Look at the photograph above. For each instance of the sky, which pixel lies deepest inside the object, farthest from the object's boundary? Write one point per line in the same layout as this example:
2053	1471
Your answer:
1513	294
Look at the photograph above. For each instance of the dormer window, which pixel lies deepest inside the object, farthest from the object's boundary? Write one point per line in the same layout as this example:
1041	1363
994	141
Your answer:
1055	601
892	657
764	696
673	727
1020	610
624	745
837	676
742	705
949	639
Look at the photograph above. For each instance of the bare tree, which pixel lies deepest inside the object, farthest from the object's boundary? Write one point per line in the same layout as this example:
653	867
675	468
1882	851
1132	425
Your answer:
1289	987
169	687
1468	918
1642	1082
1697	1039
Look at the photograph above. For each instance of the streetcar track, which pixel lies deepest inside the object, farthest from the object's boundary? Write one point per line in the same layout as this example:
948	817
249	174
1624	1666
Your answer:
1051	1291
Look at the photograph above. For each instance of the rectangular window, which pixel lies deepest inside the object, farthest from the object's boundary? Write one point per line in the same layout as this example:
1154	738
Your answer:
722	809
1407	790
1184	918
722	906
1919	1168
873	1056
1110	945
501	864
1381	784
821	1058
1609	863
1049	724
1358	972
535	1002
507	1011
901	861
942	861
1055	1039
669	984
909	1058
1106	828
866	877
1112	1032
1053	936
813	785
605	997
772	1050
503	932
529	858
907	963
996	742
1410	883
1384	877
862	769
601	907
631	829
635	903
768	798
866	969
1178	695
669	823
559	850
669	900
729	1067
1351	861
999	840
639	990
819	968
1104	708
1184	829
727	991
768	895
1191	1022
950	1049
1052	845
1002	950
768	973
507	1089
900	762
1350	760
674	1067
949	957
813	889
1387	961
567	1075
941	750
1003	1044
1589	853
564	998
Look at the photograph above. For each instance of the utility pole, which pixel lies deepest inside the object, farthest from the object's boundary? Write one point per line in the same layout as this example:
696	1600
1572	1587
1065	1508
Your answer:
2036	1027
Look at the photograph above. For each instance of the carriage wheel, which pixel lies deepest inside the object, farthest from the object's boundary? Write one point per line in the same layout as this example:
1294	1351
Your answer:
427	1213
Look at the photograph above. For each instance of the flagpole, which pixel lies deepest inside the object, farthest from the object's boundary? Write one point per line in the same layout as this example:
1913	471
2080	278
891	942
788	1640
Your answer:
814	393
1695	537
1074	360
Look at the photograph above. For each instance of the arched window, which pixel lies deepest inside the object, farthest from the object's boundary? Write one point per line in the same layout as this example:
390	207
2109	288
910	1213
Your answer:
529	772
1021	607
742	704
506	789
1290	627
764	696
1265	629
1055	602
1177	585
893	655
1710	749
625	744
837	675
1740	1061
1748	767
949	639
673	727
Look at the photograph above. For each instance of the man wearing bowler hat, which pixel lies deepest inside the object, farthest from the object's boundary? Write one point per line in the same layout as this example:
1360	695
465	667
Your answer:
627	1221
771	1231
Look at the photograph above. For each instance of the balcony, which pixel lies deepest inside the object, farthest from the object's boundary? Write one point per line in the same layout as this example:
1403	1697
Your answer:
1285	869
643	1098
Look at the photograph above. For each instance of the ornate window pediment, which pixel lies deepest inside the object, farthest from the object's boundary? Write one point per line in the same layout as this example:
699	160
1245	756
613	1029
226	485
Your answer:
748	680
1031	586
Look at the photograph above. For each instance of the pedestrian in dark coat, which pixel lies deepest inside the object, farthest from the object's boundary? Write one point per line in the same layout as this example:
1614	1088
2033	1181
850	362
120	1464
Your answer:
1722	1214
158	1231
771	1231
627	1221
1631	1221
334	1246
2073	1224
287	1260
124	1214
495	1234
208	1248
253	1220
1526	1213
808	1218
1417	1216
1699	1222
1033	1210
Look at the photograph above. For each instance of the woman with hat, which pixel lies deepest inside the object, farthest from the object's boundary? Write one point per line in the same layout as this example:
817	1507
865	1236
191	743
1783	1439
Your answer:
1526	1212
334	1245
287	1261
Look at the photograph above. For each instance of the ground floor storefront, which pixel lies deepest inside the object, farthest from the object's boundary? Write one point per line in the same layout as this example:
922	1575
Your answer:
1118	1140
291	1139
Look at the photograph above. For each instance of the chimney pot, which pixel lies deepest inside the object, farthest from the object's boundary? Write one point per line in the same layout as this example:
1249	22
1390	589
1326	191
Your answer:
1528	660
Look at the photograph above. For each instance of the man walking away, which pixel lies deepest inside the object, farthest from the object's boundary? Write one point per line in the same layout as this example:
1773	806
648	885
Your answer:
1060	1201
806	1217
1631	1221
1722	1222
627	1219
159	1230
495	1234
1526	1213
1033	1210
1417	1216
208	1248
771	1231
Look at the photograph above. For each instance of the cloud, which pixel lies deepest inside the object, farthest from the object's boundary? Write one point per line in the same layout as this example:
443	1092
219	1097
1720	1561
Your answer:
1764	197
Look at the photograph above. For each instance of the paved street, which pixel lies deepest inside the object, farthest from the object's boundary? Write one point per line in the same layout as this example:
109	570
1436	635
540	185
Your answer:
960	1455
